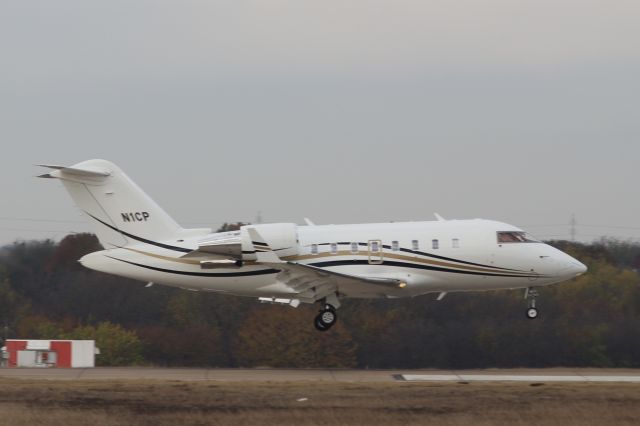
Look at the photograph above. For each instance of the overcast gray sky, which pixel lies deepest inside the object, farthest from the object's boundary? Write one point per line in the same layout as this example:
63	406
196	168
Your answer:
340	110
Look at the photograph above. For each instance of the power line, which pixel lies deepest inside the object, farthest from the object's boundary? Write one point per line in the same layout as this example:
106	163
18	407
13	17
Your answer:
59	231
27	219
611	226
584	225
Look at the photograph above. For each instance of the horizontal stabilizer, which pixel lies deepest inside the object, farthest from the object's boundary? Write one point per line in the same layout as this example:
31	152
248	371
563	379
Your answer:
94	172
51	166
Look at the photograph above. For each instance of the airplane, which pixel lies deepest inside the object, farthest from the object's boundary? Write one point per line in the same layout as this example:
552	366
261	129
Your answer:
290	264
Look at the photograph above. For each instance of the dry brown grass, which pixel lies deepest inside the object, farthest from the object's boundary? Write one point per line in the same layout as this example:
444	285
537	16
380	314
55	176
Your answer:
102	403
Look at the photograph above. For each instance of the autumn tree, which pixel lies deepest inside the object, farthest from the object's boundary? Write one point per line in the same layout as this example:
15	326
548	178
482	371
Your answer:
278	336
70	249
118	347
13	306
231	226
189	336
38	327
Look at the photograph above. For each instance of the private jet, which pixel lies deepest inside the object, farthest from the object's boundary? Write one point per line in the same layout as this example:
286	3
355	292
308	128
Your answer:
290	264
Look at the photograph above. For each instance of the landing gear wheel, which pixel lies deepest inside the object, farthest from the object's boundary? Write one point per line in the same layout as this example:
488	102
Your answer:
320	325
325	319
328	317
532	313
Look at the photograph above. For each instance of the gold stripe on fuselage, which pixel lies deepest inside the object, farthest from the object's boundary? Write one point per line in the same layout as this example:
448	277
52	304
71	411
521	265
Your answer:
387	255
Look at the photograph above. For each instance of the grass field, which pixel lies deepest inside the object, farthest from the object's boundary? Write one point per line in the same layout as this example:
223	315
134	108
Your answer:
151	402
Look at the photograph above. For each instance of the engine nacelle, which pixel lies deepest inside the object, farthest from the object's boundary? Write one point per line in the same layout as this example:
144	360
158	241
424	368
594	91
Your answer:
281	238
229	249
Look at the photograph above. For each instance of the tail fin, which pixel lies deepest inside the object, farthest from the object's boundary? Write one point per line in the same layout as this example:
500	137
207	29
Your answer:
121	213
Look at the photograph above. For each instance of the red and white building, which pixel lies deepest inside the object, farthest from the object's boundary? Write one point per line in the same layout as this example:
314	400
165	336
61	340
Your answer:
49	353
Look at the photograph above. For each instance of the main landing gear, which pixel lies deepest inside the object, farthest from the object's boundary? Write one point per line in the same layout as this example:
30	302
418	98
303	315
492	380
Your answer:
530	294
327	316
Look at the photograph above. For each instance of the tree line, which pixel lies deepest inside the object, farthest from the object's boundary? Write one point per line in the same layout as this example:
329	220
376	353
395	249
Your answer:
593	320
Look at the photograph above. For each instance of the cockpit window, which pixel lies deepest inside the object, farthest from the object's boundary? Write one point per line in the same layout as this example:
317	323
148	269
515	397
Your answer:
515	237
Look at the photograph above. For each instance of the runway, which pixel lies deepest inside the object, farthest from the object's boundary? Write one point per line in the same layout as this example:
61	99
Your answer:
330	375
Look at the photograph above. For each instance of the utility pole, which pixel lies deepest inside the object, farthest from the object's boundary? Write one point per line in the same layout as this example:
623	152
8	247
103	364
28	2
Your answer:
572	229
4	356
5	332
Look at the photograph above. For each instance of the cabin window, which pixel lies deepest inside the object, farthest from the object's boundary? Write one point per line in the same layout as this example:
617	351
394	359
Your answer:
415	245
435	244
354	247
375	246
314	249
455	243
395	246
515	237
334	248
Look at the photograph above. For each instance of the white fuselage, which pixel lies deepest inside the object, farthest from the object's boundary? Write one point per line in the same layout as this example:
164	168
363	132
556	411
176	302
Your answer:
436	256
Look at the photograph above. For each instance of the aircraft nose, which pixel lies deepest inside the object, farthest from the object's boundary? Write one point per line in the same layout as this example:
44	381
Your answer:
575	268
562	266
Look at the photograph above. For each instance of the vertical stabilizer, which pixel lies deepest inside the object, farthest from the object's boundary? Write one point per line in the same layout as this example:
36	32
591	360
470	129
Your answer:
120	212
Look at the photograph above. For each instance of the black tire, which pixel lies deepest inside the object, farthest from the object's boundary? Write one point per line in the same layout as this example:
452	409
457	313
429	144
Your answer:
319	324
532	313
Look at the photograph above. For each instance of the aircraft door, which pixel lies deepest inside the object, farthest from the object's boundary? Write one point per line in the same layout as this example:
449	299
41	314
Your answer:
375	252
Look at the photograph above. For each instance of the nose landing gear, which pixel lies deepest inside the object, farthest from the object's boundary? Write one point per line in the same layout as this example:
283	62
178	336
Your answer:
530	294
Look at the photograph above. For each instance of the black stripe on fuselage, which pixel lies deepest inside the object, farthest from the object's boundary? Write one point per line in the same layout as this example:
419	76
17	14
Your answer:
435	256
202	274
415	266
143	240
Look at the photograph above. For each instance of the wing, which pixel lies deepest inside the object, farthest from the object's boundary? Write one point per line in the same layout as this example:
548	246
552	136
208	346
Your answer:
311	283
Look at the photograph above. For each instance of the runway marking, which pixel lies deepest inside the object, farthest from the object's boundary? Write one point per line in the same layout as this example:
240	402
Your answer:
516	378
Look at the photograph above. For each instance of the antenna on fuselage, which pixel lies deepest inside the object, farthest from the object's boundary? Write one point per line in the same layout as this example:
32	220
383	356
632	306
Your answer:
440	218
